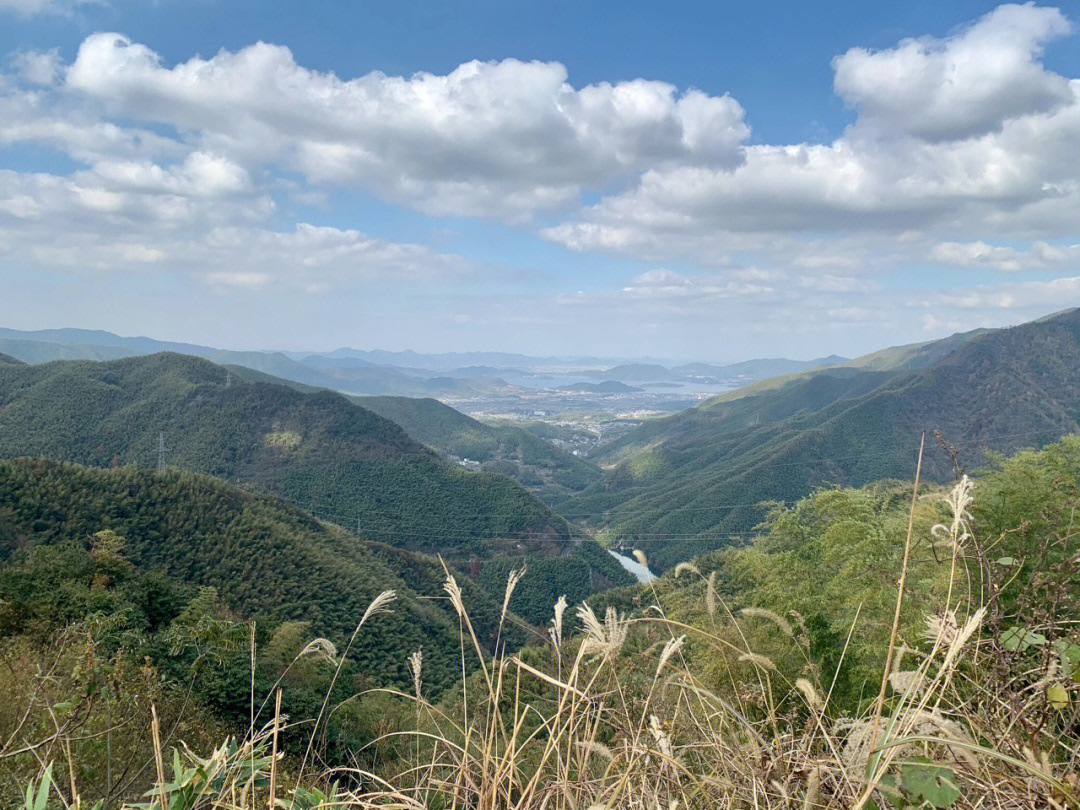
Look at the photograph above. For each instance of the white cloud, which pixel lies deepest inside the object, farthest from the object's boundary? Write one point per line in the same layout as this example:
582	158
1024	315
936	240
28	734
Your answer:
50	117
490	138
38	67
1010	166
1007	258
962	86
1034	297
201	218
963	148
31	8
836	284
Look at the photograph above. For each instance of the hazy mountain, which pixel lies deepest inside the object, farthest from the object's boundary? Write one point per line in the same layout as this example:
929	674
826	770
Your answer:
757	369
350	374
639	372
442	362
605	387
695	372
40	351
98	337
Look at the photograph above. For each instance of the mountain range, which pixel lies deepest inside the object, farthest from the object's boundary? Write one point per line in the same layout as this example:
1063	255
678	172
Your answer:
341	462
447	375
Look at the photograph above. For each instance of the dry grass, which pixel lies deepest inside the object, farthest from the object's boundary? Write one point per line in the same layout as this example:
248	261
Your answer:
593	722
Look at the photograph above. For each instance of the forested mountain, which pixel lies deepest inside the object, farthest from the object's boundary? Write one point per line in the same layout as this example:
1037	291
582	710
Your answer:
551	473
317	449
690	480
266	559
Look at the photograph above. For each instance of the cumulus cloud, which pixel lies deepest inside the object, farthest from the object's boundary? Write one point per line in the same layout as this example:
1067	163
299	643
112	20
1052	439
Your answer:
490	138
45	116
201	217
961	86
38	67
964	135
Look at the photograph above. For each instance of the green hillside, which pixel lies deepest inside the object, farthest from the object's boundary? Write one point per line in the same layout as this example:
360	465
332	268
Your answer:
266	559
540	466
318	449
688	482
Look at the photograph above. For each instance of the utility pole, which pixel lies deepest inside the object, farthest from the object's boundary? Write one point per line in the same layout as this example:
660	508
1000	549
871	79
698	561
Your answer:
228	379
161	452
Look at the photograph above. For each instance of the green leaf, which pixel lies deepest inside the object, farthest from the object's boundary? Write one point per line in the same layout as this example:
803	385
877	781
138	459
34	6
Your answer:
1006	561
1069	655
889	787
1018	639
1057	697
39	802
934	784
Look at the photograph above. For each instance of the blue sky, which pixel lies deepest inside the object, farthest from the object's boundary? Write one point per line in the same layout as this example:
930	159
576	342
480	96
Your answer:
691	180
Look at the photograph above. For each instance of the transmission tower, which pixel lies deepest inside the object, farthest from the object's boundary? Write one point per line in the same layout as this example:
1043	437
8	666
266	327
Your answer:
161	452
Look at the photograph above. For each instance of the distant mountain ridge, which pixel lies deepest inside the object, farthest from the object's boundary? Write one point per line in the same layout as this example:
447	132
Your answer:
387	373
357	376
705	372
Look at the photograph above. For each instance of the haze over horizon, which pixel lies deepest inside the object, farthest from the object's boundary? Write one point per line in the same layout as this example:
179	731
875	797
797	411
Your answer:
705	182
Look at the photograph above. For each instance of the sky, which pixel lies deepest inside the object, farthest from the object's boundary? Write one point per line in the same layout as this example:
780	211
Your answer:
710	181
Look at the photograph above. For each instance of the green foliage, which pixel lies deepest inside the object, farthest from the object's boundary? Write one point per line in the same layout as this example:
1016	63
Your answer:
577	575
264	559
